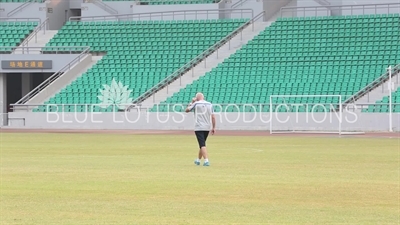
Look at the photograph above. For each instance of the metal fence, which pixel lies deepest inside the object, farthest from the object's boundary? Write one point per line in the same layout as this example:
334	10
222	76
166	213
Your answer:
22	6
55	76
18	19
166	15
331	10
260	107
42	50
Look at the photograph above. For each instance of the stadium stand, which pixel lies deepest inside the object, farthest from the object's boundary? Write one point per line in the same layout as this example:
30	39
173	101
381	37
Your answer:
139	53
302	56
382	105
13	33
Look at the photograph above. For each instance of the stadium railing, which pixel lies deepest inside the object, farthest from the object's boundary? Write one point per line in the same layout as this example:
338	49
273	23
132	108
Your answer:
353	107
84	52
323	2
140	2
360	9
73	49
197	60
238	3
104	6
244	13
55	107
43	26
9	49
356	107
57	49
22	6
202	57
371	86
16	19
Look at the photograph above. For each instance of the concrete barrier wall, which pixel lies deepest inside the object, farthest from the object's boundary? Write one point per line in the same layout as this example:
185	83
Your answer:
3	119
273	7
33	10
177	16
225	121
58	60
311	3
90	9
255	5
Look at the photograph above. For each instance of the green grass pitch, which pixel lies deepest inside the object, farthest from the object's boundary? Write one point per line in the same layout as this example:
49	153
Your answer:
122	179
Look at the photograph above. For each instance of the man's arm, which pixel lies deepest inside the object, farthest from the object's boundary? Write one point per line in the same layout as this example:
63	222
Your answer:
213	123
190	106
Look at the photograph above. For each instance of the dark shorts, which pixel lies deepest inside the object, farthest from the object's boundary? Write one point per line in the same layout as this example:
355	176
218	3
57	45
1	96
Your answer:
202	137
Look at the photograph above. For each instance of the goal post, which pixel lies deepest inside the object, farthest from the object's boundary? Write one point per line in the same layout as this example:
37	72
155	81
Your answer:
306	114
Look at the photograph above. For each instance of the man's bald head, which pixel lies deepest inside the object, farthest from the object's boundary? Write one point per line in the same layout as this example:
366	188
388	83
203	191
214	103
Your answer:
199	96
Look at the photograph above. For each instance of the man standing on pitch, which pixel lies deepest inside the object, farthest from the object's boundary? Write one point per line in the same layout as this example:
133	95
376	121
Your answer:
204	121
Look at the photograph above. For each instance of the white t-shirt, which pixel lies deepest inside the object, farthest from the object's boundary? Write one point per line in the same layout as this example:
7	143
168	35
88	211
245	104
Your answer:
202	115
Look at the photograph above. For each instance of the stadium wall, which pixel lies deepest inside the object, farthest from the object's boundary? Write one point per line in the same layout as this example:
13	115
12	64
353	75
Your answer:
75	4
225	5
58	62
273	7
338	2
34	10
3	119
312	3
190	16
89	10
227	121
58	14
121	6
26	83
307	3
3	98
255	5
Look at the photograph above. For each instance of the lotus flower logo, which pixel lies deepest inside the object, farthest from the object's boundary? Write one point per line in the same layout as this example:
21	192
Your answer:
115	94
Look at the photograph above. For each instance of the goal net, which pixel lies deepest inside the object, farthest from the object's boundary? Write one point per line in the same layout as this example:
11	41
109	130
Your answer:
306	114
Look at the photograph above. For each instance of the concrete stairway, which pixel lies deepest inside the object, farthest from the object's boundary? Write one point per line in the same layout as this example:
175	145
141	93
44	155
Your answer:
39	42
379	92
212	61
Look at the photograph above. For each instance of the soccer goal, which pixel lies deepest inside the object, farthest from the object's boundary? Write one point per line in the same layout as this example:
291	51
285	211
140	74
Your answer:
306	114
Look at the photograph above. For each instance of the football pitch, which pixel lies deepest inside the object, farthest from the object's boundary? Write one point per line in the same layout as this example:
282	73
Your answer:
69	178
